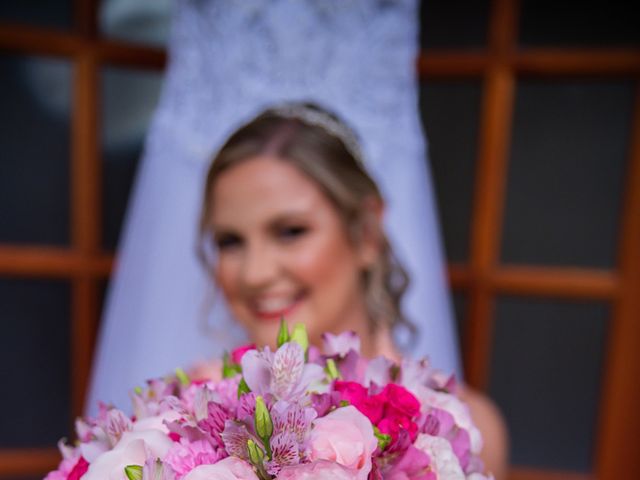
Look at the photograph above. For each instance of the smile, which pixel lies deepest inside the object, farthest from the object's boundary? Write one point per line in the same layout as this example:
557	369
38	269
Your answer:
274	308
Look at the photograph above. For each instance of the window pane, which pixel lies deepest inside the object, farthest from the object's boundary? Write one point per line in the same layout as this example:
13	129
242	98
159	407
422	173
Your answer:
565	181
579	23
34	139
129	98
460	311
454	23
142	22
450	112
545	375
34	354
45	13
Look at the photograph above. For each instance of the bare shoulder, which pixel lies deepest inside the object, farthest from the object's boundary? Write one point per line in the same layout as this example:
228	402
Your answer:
490	421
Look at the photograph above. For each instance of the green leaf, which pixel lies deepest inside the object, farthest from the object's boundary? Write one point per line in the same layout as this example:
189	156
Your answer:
229	369
243	388
133	472
383	438
283	333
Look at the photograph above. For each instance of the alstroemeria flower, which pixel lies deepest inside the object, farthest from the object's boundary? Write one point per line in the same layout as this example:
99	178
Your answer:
283	374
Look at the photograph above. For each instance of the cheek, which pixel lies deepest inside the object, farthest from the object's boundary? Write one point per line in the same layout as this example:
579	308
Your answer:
328	265
225	275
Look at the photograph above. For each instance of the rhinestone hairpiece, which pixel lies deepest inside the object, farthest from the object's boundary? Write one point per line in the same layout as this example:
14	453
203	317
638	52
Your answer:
318	118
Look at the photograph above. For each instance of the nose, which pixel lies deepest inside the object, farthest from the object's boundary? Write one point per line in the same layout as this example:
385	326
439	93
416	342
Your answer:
260	266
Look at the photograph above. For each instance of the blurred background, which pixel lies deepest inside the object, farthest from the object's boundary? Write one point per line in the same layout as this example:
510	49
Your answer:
532	113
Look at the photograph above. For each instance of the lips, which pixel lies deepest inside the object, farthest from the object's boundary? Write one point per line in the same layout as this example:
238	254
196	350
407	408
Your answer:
275	307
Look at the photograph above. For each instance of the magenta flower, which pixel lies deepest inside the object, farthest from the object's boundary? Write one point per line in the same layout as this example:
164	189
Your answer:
185	456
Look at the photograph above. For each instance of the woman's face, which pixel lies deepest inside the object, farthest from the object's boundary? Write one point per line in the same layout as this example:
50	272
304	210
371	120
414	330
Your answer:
283	251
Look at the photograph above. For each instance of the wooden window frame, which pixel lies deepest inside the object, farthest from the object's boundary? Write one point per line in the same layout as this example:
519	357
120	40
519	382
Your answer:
86	265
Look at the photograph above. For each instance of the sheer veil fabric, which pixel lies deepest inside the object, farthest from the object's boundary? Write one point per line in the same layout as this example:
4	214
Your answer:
229	59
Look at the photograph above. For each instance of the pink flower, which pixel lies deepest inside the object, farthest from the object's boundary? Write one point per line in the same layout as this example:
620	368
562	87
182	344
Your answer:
231	468
185	456
401	400
70	459
340	344
344	436
238	353
79	470
318	470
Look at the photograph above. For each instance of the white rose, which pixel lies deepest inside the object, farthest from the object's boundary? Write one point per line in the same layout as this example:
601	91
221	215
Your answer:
443	459
133	449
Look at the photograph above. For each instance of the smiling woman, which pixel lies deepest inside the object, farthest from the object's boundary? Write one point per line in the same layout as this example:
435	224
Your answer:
293	229
296	226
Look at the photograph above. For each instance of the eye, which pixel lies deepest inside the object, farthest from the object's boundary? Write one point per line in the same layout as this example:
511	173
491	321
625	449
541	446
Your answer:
226	241
291	232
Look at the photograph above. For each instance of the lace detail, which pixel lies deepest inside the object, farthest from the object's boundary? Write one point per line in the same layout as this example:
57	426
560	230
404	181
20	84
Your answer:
354	56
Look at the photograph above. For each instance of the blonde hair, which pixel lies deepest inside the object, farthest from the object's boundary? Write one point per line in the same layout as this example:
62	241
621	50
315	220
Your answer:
329	158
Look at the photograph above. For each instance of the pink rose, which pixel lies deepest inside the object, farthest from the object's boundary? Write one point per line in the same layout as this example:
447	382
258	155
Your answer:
238	353
344	436
319	470
231	468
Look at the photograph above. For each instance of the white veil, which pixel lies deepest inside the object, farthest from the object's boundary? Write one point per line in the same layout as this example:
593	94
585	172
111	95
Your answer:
229	59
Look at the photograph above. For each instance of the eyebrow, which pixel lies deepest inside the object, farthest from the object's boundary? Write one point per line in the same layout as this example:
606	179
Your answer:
285	216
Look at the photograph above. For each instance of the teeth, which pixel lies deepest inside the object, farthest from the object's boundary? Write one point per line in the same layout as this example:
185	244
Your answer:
273	304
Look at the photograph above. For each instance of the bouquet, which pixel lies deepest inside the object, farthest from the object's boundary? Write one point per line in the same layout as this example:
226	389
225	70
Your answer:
292	413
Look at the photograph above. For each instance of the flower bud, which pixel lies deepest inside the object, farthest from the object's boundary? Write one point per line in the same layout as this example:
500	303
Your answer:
182	377
133	472
283	333
299	335
263	423
332	370
255	453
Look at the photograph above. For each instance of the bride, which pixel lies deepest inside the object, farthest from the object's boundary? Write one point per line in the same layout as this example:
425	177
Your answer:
292	227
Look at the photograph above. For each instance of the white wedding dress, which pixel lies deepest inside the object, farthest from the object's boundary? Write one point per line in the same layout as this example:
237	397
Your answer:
228	60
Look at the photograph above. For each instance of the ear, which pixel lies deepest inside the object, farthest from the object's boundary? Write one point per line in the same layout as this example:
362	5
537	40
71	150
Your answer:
371	231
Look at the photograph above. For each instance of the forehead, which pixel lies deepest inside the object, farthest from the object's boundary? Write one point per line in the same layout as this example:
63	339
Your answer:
262	187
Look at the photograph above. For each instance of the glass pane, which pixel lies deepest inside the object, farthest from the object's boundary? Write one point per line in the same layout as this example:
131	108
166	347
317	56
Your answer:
141	21
35	355
453	23
568	157
45	13
129	98
450	112
460	311
545	375
35	99
579	23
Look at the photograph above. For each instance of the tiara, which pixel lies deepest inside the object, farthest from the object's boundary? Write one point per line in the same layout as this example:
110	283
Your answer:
319	118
